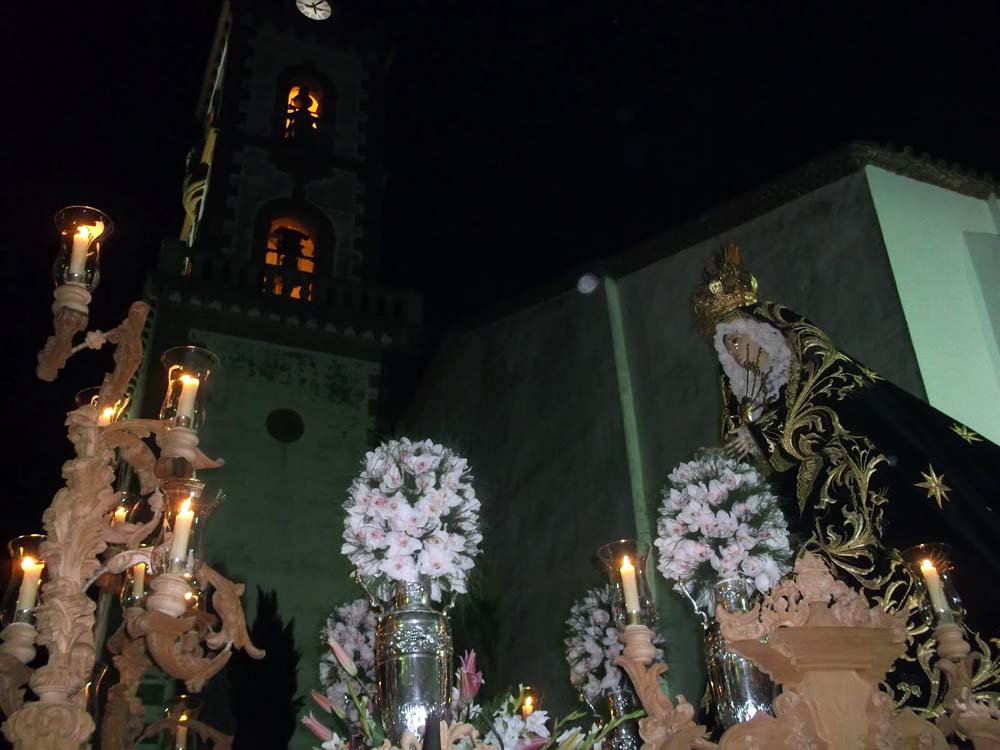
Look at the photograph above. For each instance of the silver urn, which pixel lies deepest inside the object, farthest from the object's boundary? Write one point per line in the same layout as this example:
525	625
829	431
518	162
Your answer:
413	662
738	690
621	701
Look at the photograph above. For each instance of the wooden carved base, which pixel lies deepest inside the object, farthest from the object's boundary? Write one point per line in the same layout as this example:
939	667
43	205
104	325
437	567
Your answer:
19	641
829	651
124	714
14	676
666	727
171	592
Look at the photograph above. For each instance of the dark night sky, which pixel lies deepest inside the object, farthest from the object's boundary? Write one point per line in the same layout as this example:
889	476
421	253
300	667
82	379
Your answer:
523	139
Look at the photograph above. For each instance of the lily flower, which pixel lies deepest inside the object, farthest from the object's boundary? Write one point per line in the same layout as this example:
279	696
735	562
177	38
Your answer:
343	658
323	732
469	680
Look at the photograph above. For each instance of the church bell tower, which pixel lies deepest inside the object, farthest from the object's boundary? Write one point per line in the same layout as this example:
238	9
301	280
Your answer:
275	271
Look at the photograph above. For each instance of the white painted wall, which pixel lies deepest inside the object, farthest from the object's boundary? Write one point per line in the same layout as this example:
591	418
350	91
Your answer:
945	257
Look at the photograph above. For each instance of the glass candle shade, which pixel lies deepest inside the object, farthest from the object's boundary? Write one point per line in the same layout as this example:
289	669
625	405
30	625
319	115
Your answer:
631	600
186	512
27	568
188	371
136	586
125	509
107	415
82	230
531	701
932	571
181	712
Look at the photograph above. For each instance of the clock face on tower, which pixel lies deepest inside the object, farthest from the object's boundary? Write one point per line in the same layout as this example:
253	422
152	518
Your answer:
317	10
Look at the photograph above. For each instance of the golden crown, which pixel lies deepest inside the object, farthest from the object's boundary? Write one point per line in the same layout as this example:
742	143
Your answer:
725	287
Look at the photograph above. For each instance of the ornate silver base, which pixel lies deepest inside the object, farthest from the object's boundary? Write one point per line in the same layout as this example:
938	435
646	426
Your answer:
737	689
621	701
413	663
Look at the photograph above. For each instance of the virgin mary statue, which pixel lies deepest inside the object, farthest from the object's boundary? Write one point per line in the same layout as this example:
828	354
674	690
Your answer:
872	469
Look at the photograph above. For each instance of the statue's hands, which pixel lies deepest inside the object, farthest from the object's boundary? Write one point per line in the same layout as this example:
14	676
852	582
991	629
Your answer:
740	444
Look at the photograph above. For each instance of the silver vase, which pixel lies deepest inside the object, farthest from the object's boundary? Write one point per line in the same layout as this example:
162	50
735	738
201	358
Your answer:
413	657
621	701
738	690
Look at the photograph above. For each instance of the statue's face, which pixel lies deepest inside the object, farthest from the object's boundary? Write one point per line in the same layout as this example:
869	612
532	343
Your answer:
747	352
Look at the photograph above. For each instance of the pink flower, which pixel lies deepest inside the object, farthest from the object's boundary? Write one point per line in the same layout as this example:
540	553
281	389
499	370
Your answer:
532	743
469	680
343	658
322	701
313	725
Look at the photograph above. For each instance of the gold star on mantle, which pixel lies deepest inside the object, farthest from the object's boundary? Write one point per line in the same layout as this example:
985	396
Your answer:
965	433
935	486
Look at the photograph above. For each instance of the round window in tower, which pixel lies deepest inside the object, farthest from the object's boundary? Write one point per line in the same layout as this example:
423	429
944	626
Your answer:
285	425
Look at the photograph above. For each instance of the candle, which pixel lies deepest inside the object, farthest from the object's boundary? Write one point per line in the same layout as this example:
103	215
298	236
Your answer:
935	591
182	531
106	416
629	586
28	592
528	706
185	404
138	580
119	516
180	741
78	253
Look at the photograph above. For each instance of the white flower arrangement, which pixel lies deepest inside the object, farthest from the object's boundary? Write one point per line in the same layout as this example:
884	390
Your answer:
720	520
592	645
412	514
352	626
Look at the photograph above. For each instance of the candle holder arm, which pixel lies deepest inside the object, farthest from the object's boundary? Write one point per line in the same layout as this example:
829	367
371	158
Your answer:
226	600
174	645
963	668
66	323
119	563
666	726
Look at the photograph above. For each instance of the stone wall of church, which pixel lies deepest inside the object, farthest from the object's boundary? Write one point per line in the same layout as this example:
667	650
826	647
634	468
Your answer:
532	400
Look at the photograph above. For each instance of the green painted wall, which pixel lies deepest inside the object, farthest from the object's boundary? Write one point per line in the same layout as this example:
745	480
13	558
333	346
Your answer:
946	263
280	526
532	400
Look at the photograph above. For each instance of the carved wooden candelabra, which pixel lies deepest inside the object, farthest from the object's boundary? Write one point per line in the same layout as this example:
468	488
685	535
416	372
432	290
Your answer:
190	646
819	639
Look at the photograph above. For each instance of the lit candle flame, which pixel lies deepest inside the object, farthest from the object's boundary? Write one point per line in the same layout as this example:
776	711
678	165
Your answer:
89	231
926	565
184	717
28	563
528	707
186	505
